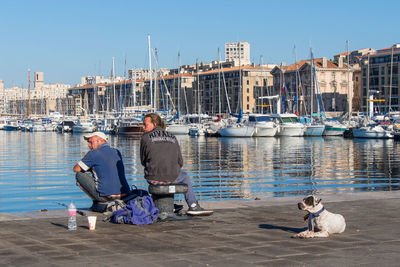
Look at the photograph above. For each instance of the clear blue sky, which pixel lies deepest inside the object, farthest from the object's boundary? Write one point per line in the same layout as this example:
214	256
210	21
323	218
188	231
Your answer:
70	39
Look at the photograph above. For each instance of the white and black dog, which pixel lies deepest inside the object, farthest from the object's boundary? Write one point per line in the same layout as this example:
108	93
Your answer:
321	223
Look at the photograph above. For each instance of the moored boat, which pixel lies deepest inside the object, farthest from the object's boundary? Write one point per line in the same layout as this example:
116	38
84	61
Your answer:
289	125
264	125
178	128
84	126
372	131
129	127
237	130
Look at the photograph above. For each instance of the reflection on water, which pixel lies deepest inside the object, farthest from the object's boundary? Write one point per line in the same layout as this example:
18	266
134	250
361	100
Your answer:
36	168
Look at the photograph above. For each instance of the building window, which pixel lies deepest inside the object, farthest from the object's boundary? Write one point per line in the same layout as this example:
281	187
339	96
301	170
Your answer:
248	106
248	91
248	82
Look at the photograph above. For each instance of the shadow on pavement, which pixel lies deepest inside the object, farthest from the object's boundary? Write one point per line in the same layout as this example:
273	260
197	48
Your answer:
60	225
283	228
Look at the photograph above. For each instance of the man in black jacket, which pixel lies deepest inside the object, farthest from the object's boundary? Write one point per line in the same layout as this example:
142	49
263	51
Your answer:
160	154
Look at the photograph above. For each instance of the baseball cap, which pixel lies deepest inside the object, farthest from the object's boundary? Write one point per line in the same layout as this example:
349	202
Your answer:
99	134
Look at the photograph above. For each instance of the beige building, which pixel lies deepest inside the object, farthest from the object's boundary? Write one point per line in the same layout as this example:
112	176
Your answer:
333	84
239	88
50	97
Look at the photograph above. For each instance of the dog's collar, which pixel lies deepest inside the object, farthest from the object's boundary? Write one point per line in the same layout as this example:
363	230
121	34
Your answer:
312	216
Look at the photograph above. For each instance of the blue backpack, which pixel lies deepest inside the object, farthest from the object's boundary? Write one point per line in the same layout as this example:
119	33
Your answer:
139	210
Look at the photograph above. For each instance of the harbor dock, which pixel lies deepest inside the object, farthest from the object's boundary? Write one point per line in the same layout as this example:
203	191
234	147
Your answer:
239	233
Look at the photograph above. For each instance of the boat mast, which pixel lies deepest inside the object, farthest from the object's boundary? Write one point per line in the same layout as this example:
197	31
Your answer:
390	82
198	89
262	84
297	82
219	82
312	85
29	93
155	78
349	93
95	92
240	82
151	81
179	82
369	105
134	87
113	79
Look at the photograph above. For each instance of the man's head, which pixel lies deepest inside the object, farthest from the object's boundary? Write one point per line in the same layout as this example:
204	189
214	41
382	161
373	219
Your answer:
151	121
96	139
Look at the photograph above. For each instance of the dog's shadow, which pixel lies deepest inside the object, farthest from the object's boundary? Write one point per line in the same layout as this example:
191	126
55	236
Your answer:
283	228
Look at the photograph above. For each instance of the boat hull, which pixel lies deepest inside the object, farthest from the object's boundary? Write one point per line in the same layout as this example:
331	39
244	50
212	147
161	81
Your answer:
79	129
130	130
314	130
334	131
178	129
246	131
291	130
365	132
265	131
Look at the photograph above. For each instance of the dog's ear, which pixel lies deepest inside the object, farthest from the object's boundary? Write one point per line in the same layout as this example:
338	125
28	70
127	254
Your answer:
309	201
317	200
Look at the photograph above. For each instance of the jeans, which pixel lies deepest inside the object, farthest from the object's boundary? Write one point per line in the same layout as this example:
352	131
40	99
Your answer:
189	195
87	182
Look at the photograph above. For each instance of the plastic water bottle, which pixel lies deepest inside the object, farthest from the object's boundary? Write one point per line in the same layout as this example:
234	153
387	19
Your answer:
71	217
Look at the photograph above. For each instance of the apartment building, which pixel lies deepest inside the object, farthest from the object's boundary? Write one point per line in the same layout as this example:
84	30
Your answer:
333	84
233	89
380	78
239	52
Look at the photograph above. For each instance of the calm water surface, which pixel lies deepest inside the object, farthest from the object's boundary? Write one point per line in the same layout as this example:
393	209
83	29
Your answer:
36	168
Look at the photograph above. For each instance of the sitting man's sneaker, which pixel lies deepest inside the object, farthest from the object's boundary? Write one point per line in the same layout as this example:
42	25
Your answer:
196	210
177	208
99	206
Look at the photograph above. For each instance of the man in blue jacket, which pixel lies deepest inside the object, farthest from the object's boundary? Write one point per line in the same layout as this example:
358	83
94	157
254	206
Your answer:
100	173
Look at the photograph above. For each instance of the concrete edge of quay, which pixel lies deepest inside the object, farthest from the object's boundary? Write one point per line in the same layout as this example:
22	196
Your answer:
227	204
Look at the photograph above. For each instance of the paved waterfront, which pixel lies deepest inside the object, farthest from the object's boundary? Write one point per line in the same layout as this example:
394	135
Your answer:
240	233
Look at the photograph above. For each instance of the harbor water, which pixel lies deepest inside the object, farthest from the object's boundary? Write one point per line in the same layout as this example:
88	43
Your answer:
36	168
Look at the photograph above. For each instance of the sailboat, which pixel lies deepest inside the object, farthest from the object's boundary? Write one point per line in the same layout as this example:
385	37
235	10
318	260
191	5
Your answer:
313	128
177	125
239	128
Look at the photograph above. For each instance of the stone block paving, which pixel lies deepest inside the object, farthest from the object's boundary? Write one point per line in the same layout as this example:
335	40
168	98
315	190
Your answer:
256	235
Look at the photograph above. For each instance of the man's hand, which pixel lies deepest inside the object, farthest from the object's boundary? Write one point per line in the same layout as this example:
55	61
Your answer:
77	168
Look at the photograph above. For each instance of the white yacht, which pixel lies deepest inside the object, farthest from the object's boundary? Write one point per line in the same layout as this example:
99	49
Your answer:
84	126
37	126
289	125
264	125
178	128
237	130
372	131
